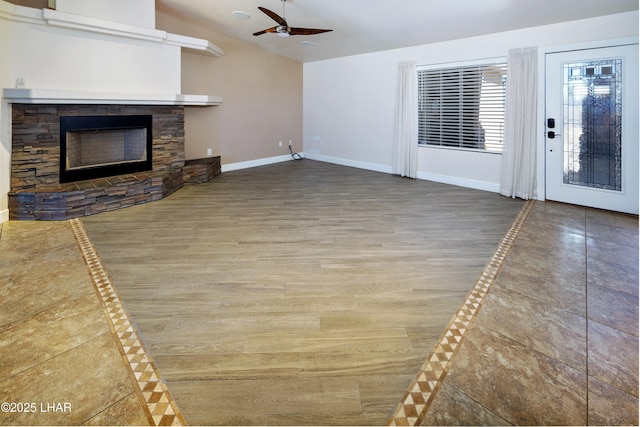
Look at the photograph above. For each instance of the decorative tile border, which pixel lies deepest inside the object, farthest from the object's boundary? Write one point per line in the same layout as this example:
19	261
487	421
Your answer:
415	402
156	400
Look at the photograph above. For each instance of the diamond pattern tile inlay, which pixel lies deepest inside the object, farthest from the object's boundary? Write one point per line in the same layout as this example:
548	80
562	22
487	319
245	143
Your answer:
416	400
159	406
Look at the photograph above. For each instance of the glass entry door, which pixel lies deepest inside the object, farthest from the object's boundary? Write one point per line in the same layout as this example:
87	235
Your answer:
592	128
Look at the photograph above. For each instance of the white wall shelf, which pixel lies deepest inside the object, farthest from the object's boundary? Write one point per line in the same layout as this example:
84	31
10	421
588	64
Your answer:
48	96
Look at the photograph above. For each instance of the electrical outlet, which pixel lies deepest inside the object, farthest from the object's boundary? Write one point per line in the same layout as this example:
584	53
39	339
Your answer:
290	143
279	143
209	151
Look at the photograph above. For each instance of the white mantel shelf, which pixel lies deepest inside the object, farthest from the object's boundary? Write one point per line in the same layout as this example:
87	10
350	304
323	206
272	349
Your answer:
48	96
55	18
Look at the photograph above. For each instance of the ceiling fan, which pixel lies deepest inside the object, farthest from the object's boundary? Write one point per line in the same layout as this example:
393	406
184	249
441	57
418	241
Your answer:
283	29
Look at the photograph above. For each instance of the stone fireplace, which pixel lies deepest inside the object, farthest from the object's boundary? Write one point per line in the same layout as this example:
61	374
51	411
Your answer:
115	63
60	168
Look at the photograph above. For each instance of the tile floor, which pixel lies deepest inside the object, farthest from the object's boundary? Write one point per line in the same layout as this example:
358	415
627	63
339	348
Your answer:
555	341
550	336
69	354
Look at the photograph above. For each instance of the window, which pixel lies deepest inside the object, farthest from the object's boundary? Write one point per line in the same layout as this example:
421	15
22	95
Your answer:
462	107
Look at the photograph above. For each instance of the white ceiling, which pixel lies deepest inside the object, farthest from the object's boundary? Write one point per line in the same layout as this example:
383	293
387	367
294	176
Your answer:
361	26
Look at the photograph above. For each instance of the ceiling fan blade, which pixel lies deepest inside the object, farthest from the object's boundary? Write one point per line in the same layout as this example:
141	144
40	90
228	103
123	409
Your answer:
306	31
273	16
268	30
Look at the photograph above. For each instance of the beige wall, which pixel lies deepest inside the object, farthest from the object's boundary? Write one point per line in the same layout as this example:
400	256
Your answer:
262	95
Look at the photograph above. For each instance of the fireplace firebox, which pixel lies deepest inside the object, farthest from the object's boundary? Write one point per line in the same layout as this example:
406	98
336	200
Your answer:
101	146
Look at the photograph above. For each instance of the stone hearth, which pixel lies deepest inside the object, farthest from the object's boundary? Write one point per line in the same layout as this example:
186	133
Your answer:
36	191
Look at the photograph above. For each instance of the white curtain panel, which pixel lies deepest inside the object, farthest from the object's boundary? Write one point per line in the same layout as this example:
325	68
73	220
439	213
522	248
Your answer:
519	151
405	136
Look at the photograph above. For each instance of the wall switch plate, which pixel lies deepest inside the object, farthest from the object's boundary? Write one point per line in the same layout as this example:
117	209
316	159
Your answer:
209	151
279	143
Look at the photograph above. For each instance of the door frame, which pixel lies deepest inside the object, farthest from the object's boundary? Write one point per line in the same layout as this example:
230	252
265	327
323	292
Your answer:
541	125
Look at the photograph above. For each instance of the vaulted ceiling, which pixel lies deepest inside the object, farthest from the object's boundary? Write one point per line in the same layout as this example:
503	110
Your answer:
361	26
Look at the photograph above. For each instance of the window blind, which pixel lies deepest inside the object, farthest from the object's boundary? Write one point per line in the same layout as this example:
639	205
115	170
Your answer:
462	107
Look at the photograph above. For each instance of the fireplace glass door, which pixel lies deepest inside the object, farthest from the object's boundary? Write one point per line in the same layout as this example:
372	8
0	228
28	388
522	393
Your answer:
101	146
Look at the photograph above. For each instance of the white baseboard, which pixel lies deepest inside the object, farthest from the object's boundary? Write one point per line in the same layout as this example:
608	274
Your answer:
4	215
460	182
346	162
444	179
254	163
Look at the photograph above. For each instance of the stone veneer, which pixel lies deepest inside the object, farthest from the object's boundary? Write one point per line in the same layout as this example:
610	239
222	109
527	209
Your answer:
198	171
36	191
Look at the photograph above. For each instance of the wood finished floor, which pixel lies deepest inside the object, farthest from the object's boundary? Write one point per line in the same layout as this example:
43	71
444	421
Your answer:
297	293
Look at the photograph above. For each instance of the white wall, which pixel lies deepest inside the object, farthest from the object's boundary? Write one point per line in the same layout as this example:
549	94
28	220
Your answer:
6	47
50	57
138	12
349	102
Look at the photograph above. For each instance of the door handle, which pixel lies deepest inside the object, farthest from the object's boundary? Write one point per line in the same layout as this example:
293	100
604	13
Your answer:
551	134
551	123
